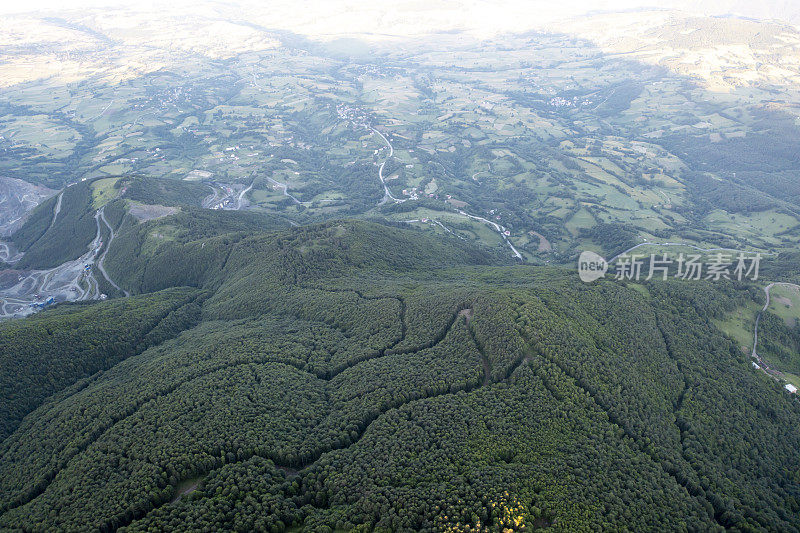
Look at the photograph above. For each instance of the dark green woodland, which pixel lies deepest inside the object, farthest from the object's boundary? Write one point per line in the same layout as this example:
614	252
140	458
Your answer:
354	375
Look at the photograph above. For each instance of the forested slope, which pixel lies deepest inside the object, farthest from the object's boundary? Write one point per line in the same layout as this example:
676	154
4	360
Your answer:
52	350
58	230
352	374
61	228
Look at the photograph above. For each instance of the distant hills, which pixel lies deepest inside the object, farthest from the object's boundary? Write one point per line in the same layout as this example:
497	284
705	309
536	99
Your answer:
783	10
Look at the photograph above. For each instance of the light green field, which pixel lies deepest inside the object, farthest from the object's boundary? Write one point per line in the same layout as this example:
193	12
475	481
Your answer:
580	220
739	325
793	379
459	224
116	168
103	191
41	134
157	237
484	115
785	302
761	226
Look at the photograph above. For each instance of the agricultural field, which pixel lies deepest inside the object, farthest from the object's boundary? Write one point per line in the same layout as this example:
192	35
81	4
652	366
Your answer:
785	302
543	134
738	325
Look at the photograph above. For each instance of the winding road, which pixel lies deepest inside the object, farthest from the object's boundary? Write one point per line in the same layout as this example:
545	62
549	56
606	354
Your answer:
227	201
57	209
100	215
240	198
70	281
500	229
211	199
387	194
5	254
103	112
285	190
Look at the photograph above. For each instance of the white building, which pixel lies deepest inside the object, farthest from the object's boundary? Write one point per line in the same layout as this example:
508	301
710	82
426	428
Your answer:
791	388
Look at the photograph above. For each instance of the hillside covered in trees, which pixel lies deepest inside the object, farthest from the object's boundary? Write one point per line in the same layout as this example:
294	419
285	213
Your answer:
355	375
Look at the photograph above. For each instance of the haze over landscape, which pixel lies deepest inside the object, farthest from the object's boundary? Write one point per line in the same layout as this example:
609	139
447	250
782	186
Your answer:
400	266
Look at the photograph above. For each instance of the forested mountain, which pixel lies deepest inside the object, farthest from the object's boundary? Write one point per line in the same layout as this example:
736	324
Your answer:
310	267
358	375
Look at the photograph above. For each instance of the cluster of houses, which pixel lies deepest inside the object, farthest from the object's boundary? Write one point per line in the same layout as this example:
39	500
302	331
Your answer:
353	114
559	101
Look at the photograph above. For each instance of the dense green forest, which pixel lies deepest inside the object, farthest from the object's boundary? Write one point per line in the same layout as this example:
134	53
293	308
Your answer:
48	352
58	230
150	190
296	285
354	375
781	342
